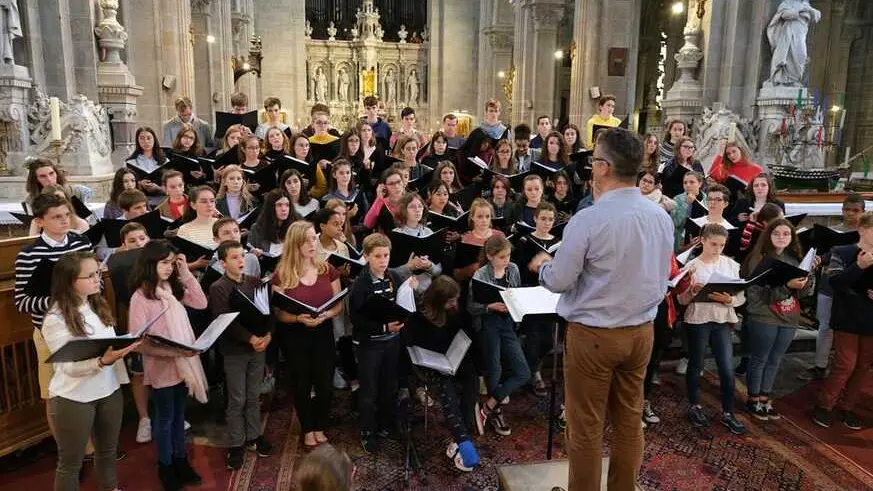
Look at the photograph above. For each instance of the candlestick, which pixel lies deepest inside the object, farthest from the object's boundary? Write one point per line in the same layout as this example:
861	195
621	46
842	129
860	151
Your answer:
846	159
55	107
843	118
733	133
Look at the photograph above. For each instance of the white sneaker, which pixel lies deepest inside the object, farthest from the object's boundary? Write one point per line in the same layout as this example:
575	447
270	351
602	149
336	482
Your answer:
187	426
144	431
453	453
682	367
504	401
656	379
338	381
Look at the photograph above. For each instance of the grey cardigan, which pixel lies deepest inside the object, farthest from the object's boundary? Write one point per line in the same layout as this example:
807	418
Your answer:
759	298
486	273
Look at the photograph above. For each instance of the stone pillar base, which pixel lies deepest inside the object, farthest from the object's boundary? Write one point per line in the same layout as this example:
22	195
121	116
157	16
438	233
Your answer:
774	108
15	83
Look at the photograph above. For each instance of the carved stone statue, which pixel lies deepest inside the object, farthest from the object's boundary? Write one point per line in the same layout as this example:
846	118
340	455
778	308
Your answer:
717	125
331	32
10	25
307	31
390	87
342	82
412	88
320	84
402	34
787	36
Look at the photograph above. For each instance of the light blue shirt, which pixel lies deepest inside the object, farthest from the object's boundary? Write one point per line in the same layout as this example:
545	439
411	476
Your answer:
615	272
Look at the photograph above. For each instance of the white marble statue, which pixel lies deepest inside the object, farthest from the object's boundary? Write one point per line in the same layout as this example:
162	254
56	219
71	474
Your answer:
10	24
342	82
390	87
402	34
320	83
787	36
331	32
412	88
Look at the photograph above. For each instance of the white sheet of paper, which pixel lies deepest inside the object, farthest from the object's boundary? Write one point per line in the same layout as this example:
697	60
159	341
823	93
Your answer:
529	300
215	329
275	249
406	296
808	260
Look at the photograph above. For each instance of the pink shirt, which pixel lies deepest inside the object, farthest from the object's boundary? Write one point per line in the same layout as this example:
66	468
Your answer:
373	213
160	371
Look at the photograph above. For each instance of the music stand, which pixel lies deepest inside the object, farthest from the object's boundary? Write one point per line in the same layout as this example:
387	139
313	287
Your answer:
553	389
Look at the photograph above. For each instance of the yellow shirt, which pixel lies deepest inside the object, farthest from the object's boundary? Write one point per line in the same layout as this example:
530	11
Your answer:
612	122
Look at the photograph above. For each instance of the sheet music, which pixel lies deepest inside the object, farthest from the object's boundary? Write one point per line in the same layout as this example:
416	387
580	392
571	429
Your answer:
529	300
406	296
717	277
215	329
685	256
808	260
479	162
701	221
275	249
261	299
430	359
457	350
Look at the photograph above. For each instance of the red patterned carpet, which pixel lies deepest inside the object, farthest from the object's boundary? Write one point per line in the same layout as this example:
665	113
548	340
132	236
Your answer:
781	455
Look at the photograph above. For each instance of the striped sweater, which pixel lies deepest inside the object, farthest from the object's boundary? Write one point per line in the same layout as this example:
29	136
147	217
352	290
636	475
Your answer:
25	264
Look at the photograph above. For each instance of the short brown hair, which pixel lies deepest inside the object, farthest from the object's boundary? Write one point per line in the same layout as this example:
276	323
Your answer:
221	222
325	469
492	102
130	198
319	108
373	241
866	220
449	116
130	228
239	99
713	230
545	206
855	199
44	202
272	101
719	188
371	101
169	174
183	102
604	99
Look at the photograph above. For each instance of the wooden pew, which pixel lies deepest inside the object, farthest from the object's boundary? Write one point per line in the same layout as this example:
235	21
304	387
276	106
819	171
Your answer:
22	412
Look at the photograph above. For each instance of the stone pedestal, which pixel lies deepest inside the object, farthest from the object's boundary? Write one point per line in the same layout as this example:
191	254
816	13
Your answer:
85	148
15	86
685	98
775	107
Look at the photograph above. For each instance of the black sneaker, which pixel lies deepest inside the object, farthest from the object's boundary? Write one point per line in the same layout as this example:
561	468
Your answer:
822	417
234	458
740	371
698	416
813	373
852	421
757	409
498	423
369	442
771	413
733	424
120	454
261	446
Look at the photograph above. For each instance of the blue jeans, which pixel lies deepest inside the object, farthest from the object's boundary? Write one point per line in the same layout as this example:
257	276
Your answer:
718	336
169	427
767	346
499	338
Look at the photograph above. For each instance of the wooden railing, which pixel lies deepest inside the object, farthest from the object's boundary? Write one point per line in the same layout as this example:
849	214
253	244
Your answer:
22	412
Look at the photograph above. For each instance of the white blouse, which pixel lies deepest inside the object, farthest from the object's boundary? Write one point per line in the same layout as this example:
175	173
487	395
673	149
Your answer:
81	381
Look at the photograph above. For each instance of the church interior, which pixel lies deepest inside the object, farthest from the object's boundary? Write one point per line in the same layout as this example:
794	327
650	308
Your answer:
108	102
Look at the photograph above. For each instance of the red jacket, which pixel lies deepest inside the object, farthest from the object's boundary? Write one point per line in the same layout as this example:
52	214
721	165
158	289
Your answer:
672	311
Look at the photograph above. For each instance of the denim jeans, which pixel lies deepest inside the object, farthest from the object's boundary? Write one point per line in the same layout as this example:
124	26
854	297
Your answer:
718	336
169	427
499	338
767	346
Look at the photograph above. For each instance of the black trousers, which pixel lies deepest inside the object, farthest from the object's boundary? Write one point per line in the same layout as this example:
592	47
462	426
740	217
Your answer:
457	395
663	338
310	359
377	374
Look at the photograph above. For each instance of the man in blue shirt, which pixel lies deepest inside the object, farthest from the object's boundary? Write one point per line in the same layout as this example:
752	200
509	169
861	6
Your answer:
611	281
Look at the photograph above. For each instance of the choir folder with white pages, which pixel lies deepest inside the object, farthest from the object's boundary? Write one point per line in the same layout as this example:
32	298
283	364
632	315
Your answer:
79	349
446	363
206	340
522	301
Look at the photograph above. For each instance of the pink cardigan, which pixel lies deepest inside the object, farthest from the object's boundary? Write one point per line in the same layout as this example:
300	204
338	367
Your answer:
160	371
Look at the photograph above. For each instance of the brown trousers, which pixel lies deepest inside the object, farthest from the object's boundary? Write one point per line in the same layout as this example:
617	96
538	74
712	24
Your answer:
603	374
850	373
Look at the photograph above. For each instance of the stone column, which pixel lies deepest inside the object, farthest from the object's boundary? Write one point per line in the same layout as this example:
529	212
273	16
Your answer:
584	68
117	88
684	99
283	74
215	77
534	60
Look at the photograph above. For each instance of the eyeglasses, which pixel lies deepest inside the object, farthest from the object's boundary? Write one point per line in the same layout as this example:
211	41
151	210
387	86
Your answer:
648	181
690	147
93	276
715	199
393	183
253	148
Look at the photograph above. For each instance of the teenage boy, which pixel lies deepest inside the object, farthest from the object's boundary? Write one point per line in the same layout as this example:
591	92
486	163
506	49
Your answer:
853	208
273	110
120	266
316	109
544	127
524	154
378	342
185	115
53	215
604	117
244	359
324	146
381	129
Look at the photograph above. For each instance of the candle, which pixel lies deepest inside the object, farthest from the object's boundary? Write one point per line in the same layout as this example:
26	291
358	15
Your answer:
55	106
733	132
843	118
846	160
